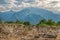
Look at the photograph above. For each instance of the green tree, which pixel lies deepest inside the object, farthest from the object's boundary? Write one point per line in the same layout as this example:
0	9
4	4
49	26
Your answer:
0	21
42	23
19	22
26	23
50	22
47	23
58	23
8	22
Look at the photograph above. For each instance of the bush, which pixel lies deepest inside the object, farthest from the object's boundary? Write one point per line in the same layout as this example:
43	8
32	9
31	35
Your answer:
50	23
26	23
19	22
46	23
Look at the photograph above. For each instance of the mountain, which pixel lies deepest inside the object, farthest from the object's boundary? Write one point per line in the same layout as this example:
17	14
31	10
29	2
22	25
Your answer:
31	14
33	18
7	16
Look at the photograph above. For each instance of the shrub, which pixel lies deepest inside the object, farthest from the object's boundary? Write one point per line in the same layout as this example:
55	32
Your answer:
26	23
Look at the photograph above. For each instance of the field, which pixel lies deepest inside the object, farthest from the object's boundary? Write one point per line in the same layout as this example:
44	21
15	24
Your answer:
28	32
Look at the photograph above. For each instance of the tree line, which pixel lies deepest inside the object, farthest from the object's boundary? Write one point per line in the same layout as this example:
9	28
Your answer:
41	23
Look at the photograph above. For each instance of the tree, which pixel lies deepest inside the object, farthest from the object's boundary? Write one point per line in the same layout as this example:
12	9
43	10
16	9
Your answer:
58	23
26	23
50	22
0	21
42	23
19	22
9	22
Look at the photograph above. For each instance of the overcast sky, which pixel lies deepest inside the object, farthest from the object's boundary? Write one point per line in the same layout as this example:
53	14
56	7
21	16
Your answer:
17	5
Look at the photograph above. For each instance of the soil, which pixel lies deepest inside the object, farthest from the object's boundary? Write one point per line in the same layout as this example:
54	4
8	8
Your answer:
23	32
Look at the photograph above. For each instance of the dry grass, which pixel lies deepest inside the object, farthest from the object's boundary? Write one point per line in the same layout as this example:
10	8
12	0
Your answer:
22	32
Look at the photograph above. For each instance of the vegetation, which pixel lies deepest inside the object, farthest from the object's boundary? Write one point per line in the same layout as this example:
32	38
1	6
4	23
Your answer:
58	24
19	22
26	23
44	23
48	23
9	22
0	22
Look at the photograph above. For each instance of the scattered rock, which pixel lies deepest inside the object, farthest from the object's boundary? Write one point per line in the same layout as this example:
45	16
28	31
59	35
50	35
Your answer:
32	34
50	36
0	30
37	36
23	39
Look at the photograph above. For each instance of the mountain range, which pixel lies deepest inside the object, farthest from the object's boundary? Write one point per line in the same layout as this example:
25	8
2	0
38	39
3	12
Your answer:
31	14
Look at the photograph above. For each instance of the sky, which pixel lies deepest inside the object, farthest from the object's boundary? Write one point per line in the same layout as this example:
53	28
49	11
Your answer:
17	5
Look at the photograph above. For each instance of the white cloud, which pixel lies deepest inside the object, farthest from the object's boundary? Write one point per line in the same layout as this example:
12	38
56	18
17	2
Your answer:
3	9
20	4
10	1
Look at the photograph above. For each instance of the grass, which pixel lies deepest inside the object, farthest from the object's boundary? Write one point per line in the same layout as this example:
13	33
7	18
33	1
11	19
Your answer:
22	31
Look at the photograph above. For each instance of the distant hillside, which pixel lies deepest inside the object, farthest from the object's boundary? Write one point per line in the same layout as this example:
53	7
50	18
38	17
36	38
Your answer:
33	15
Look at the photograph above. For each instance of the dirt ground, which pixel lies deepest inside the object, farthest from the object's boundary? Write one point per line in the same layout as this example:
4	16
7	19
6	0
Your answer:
22	32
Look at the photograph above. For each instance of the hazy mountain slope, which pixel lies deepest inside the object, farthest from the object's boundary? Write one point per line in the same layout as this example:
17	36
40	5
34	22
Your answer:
33	15
38	11
7	16
33	18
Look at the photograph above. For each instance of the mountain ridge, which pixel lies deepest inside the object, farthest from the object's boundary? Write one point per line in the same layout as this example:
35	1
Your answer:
33	15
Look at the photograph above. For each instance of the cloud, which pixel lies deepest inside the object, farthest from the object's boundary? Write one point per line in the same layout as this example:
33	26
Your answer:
10	1
17	5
